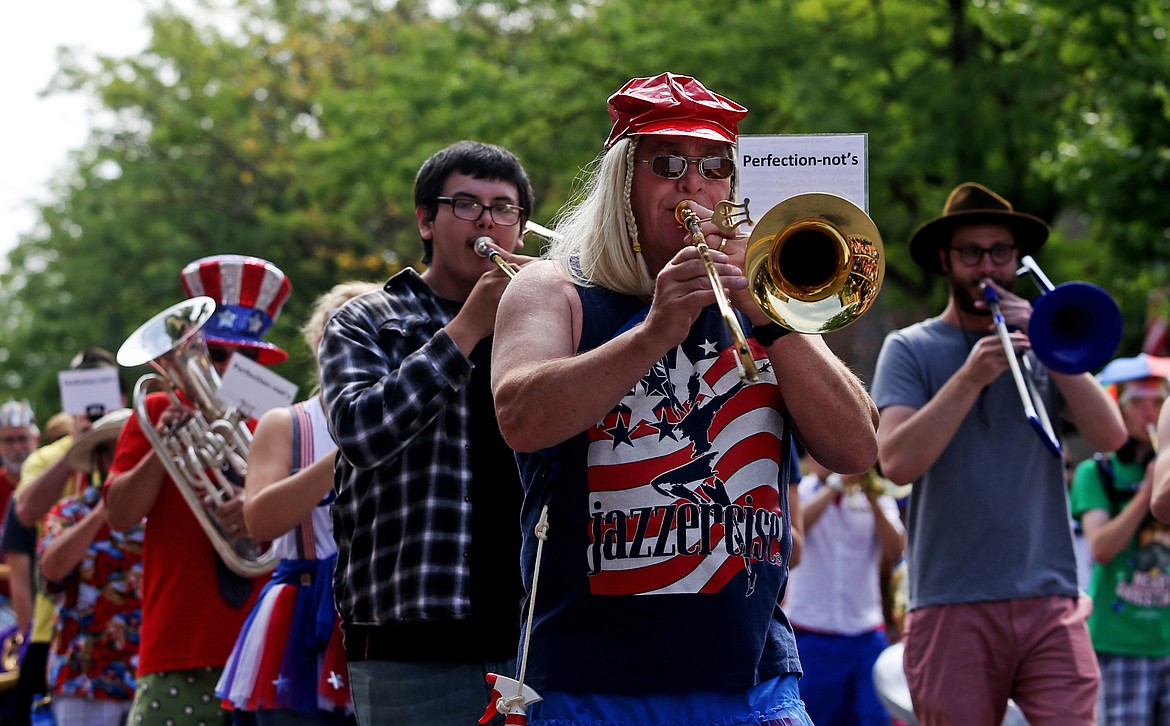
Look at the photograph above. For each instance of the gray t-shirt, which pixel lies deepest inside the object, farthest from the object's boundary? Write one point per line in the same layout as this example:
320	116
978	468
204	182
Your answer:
990	519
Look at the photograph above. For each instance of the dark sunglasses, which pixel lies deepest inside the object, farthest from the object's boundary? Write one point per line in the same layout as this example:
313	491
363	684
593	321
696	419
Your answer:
672	166
219	354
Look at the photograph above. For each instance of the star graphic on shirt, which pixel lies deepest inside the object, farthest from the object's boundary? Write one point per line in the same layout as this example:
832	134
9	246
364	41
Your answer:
281	684
620	433
227	318
665	428
708	347
641	409
336	681
656	382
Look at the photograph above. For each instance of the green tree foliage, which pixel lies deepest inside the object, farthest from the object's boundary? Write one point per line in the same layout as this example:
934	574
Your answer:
296	134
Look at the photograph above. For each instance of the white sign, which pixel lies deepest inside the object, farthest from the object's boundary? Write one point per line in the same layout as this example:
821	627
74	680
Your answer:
92	391
253	389
774	168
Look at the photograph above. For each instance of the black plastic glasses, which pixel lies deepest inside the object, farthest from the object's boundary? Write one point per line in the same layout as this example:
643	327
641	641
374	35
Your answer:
672	166
972	255
470	210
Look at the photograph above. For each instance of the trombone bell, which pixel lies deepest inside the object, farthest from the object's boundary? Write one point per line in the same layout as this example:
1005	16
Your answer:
814	263
1075	328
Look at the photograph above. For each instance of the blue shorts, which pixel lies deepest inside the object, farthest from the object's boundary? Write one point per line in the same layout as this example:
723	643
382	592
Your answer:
772	703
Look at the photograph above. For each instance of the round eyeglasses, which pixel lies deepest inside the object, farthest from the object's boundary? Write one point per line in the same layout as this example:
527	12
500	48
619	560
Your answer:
470	210
672	166
972	255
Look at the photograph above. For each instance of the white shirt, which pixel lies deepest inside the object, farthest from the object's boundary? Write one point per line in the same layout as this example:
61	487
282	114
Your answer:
836	588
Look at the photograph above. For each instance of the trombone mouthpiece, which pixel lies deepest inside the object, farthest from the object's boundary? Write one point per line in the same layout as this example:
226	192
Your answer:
481	246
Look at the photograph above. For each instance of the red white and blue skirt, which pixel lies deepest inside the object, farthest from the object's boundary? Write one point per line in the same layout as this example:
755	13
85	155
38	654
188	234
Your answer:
289	652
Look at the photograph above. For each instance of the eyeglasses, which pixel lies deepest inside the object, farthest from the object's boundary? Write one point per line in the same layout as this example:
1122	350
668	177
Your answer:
471	210
15	439
671	166
972	255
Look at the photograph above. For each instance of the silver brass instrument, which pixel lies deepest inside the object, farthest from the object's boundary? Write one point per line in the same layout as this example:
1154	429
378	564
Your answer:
538	230
209	446
482	249
1074	328
744	360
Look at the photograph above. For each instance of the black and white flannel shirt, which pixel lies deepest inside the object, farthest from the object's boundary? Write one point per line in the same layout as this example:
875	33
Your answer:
395	389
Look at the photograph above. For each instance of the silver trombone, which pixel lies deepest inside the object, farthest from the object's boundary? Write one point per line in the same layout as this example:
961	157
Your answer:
483	249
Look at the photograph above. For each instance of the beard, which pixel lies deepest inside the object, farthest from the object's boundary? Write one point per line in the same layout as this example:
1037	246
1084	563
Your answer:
966	294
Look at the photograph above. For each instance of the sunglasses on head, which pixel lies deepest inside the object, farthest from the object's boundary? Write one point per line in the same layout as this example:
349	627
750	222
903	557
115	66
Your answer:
673	166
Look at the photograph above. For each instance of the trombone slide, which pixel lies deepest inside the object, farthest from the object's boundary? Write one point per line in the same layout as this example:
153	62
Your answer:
1034	408
744	361
483	250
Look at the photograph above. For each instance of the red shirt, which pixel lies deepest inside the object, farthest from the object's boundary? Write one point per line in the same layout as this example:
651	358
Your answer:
185	622
7	486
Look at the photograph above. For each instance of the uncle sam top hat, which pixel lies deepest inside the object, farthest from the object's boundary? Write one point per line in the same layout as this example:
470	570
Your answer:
249	293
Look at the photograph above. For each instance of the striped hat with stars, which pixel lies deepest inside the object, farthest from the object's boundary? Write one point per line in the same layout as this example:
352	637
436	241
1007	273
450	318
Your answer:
249	293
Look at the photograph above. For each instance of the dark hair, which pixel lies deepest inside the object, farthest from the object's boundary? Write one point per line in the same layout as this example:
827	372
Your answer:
475	159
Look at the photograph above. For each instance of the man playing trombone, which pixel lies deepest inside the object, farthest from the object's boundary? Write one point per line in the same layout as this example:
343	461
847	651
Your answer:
426	580
663	469
994	611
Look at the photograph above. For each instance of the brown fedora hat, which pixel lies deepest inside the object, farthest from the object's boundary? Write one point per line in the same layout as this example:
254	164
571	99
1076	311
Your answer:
971	203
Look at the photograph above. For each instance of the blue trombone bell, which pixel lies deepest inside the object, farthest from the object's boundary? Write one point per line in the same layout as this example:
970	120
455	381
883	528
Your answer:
1075	328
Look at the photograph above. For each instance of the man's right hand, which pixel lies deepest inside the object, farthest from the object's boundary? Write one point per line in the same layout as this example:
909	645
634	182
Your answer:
988	360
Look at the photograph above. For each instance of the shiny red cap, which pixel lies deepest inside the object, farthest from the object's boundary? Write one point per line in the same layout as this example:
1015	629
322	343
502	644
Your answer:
672	105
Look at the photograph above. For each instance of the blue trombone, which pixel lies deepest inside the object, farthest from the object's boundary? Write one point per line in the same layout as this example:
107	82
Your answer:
1075	328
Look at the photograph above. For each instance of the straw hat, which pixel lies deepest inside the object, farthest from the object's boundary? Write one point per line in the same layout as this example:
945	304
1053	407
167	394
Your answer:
104	431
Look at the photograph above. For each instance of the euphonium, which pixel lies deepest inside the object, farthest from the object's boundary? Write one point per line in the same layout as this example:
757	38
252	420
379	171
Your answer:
206	452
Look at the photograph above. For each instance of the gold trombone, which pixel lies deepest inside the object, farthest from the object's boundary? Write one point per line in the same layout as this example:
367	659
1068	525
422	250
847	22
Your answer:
814	264
744	360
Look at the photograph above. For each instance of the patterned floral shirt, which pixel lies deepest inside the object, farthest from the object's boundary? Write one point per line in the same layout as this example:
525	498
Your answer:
94	652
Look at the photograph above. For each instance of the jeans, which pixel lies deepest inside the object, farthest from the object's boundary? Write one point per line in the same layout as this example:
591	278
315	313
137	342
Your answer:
437	694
